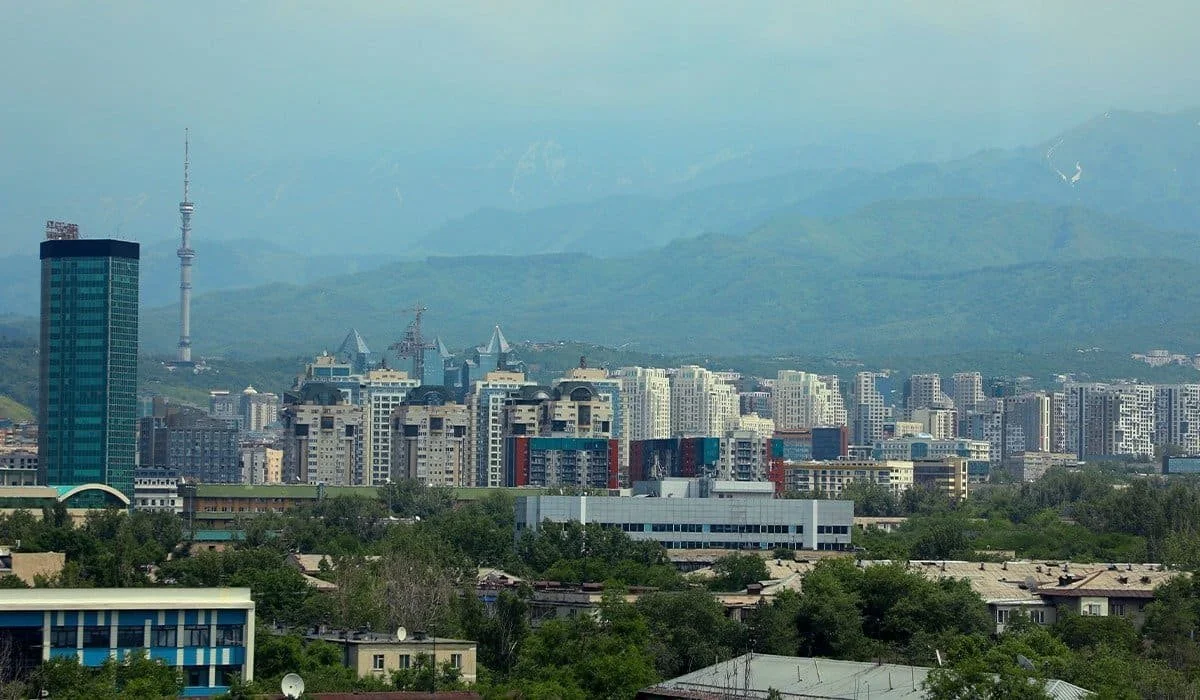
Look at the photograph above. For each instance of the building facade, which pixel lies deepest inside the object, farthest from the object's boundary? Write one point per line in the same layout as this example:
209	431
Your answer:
802	400
188	443
561	461
925	391
1110	420
646	398
486	405
18	468
322	440
867	410
429	439
205	633
1177	416
87	398
258	409
831	477
702	403
702	523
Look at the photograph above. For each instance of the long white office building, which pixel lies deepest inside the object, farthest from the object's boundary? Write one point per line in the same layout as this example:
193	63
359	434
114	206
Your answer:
702	523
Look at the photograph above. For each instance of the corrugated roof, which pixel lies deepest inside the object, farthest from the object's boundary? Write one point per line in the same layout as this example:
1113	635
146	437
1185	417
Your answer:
751	675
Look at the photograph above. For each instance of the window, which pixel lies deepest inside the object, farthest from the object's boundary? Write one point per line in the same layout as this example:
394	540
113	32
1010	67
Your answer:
405	661
196	676
128	637
95	637
229	635
1117	609
1038	616
377	662
456	660
195	636
63	637
1001	617
1091	609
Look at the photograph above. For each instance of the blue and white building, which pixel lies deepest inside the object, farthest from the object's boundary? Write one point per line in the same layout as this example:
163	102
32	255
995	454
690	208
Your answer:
206	633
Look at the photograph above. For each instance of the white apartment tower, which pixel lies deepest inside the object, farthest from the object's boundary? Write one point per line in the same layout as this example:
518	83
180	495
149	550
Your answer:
801	400
1177	416
486	405
868	412
1110	419
646	396
702	404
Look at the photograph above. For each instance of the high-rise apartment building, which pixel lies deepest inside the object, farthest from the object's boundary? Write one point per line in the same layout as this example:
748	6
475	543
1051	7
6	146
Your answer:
646	400
87	399
1106	420
258	409
380	392
868	411
1177	416
941	423
190	444
968	391
486	405
1028	421
925	391
323	436
702	403
429	439
223	405
262	463
744	456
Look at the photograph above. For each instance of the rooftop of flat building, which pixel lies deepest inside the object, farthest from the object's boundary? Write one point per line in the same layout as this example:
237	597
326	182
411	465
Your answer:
366	637
125	598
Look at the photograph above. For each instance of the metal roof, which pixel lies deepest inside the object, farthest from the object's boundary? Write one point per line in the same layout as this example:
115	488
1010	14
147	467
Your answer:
751	675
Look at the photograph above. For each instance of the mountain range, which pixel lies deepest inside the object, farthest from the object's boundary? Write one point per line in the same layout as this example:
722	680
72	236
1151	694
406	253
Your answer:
1085	239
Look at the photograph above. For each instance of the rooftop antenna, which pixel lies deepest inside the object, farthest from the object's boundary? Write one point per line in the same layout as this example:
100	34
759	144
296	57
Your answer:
186	256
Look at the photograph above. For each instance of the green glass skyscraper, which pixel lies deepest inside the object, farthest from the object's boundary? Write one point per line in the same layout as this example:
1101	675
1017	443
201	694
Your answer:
87	429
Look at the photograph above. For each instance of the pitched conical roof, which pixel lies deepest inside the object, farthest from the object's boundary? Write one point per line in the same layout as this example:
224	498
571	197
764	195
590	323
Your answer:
498	343
354	344
441	348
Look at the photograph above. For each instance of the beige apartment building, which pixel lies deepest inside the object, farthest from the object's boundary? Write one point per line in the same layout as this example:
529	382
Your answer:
430	439
830	478
372	654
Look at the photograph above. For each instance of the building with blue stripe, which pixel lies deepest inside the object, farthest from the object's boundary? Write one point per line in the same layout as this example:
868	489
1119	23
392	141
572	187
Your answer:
206	633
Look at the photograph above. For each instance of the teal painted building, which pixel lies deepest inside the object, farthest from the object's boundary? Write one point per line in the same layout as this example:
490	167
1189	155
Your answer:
87	408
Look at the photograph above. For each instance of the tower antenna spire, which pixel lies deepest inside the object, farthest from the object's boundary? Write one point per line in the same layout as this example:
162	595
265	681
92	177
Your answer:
185	163
186	256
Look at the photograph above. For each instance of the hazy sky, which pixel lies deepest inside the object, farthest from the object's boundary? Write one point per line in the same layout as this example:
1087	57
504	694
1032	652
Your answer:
88	84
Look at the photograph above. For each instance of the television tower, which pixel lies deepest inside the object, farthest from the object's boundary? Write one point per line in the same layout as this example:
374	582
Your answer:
186	255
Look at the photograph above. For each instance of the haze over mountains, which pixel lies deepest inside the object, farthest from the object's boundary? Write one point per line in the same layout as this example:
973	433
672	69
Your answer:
998	250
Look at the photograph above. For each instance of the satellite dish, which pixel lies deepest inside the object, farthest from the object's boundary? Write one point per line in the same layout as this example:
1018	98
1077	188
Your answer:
401	634
1024	662
292	686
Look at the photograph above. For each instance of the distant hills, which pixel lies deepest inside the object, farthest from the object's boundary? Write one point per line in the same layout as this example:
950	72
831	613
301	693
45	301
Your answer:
1086	239
1140	166
894	278
221	265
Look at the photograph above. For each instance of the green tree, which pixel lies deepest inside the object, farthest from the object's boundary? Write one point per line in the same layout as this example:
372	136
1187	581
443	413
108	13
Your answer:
688	630
733	572
605	657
